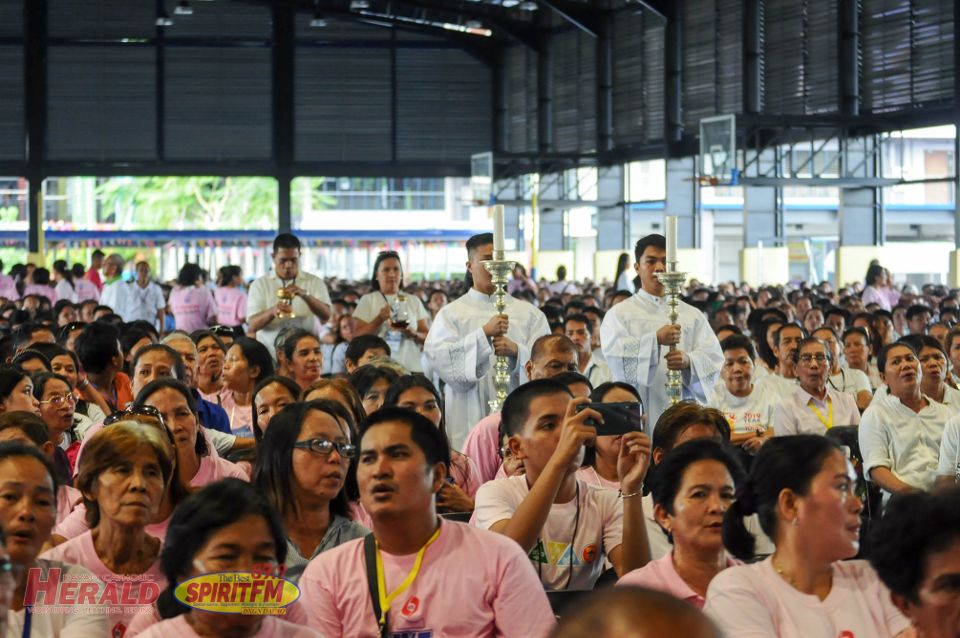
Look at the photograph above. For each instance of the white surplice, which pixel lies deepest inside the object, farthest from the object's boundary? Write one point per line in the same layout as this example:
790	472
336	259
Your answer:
462	356
628	335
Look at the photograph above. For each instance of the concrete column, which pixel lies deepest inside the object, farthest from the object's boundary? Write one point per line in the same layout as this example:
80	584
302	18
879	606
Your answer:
859	216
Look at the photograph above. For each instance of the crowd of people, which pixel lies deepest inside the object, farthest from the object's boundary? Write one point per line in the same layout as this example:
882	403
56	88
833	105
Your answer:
348	436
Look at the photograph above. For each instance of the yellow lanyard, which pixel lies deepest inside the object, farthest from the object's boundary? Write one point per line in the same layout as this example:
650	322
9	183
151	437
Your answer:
385	599
828	422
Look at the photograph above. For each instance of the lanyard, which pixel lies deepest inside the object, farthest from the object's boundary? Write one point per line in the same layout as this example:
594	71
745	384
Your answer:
828	422
386	599
27	621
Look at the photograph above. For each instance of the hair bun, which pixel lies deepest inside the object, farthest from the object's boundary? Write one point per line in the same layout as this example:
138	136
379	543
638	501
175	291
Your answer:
745	503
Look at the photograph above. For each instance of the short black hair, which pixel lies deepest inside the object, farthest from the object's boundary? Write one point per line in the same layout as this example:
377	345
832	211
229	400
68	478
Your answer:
856	331
290	342
776	335
582	318
97	345
728	327
559	342
179	372
359	345
917	309
481	239
33	427
570	378
516	408
677	418
286	240
656	240
29	355
885	352
914	526
422	431
919	342
131	335
601	390
734	342
806	341
364	377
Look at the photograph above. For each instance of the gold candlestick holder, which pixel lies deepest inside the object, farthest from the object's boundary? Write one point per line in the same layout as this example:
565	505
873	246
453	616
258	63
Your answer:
500	269
673	283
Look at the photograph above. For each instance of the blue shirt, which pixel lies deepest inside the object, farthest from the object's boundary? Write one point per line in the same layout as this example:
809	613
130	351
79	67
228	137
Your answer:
212	416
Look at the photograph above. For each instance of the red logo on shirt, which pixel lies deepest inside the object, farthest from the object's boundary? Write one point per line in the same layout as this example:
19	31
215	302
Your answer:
846	633
589	553
411	606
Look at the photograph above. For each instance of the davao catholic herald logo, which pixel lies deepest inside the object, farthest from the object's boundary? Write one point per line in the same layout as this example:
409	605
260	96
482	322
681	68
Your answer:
260	591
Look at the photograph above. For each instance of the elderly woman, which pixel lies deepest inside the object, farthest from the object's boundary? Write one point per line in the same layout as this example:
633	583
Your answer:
696	486
401	320
28	507
302	464
803	489
247	362
196	464
58	410
211	354
124	473
227	526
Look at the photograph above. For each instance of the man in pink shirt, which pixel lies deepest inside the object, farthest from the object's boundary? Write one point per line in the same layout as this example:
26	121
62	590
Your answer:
413	558
550	355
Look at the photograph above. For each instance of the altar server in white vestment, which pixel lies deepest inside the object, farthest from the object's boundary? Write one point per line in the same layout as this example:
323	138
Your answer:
636	335
468	334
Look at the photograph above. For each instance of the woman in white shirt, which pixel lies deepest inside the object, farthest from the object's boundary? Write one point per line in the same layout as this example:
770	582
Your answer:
856	352
803	489
397	318
747	406
933	362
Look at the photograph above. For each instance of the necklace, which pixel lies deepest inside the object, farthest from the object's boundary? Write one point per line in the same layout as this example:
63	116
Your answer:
784	575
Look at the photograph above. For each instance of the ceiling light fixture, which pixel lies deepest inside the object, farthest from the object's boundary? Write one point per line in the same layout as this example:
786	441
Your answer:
164	19
528	5
473	24
183	8
359	5
318	21
510	3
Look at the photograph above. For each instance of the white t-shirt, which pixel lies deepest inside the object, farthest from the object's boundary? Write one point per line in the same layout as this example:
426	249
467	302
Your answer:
780	386
750	414
599	530
753	601
850	381
402	348
949	464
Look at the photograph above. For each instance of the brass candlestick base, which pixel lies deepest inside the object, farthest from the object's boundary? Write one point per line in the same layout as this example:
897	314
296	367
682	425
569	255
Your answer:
673	282
500	269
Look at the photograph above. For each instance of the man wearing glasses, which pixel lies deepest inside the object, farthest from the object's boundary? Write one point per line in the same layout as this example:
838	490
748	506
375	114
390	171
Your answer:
813	407
286	297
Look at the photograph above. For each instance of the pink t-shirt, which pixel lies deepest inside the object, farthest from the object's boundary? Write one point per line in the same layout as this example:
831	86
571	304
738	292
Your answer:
8	288
753	601
85	290
590	476
465	473
231	306
75	524
192	308
37	289
270	628
147	586
213	468
68	498
499	595
241	416
483	446
661	575
295	616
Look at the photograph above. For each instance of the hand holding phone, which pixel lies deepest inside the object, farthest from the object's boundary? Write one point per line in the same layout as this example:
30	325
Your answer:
618	418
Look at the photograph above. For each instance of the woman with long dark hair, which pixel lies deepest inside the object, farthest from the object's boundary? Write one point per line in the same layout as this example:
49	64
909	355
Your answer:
400	319
303	461
804	490
65	289
248	361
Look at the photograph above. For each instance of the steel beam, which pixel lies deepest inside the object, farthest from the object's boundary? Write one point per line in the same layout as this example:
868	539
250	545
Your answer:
35	109
849	59
283	110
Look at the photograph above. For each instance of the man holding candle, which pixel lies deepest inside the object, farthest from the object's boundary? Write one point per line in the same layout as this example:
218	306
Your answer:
636	335
468	334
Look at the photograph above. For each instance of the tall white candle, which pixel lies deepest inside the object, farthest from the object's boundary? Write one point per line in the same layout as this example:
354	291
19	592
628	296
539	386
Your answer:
671	239
498	229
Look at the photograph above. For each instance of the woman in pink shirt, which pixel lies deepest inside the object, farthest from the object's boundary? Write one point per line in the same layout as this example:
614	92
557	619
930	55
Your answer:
803	489
231	300
123	477
40	286
248	361
225	527
197	464
416	392
190	301
696	486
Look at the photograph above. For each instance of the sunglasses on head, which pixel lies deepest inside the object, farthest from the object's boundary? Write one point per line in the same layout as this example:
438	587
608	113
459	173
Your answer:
223	331
133	412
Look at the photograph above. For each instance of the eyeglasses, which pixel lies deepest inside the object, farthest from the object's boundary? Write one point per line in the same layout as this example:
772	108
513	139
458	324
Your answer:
133	412
325	447
59	400
807	358
505	452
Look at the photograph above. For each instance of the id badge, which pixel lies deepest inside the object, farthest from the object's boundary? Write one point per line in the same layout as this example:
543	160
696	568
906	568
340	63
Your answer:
393	340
